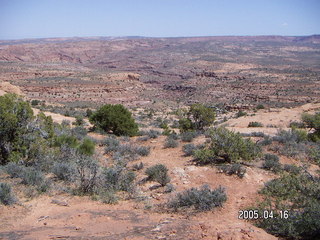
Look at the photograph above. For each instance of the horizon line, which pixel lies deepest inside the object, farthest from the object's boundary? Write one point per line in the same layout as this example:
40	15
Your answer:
159	37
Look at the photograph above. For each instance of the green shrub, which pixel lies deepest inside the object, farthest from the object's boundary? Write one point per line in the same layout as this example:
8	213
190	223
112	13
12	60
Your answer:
189	149
87	147
137	167
68	140
293	169
170	143
79	121
64	171
34	177
271	162
87	169
312	122
314	154
260	106
79	132
188	136
203	199
293	135
227	146
201	116
267	140
241	113
6	196
14	170
298	194
185	125
143	150
143	138
15	115
118	179
232	169
253	134
158	173
153	133
297	125
111	144
108	197
35	102
88	113
169	188
130	152
115	118
204	156
255	124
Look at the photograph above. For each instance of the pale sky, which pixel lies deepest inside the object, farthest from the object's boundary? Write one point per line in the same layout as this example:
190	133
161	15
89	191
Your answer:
157	18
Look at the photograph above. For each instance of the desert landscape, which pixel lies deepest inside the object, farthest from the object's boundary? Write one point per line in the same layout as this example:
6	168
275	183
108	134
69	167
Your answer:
257	90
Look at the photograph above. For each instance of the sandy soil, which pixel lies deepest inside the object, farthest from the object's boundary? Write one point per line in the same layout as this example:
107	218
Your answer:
274	118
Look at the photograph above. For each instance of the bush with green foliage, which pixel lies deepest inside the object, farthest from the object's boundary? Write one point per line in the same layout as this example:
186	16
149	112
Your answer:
108	197
79	132
6	196
185	125
241	113
255	124
313	123
111	144
153	133
65	171
170	143
292	169
143	150
35	102
189	149
201	116
15	115
137	166
296	124
203	199
267	140
227	146
130	152
87	147
117	178
115	118
293	135
14	169
79	121
68	140
88	113
158	173
188	136
271	162
87	170
298	194
198	117
34	177
232	169
260	106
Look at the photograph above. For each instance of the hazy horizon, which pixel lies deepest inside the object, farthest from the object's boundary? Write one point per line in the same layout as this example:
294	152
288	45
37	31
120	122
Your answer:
160	19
